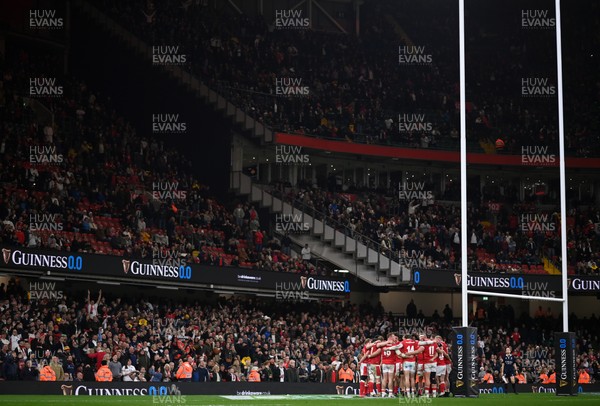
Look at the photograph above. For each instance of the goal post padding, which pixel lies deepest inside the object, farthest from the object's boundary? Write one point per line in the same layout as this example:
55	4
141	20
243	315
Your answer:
565	353
464	362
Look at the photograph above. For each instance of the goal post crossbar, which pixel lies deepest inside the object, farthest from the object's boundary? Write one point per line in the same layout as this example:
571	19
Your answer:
510	295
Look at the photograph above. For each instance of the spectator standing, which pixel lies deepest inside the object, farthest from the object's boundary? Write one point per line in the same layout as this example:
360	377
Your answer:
291	373
128	372
57	368
115	368
203	372
30	373
306	255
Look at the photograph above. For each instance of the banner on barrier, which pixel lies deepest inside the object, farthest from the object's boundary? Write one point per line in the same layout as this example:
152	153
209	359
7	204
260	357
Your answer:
485	388
229	388
286	284
519	284
177	388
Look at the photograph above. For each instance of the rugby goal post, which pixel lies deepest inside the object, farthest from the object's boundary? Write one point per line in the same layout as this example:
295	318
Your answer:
566	376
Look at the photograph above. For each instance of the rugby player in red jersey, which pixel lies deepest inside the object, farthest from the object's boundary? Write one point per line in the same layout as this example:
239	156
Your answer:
427	363
442	360
408	347
389	359
372	358
363	366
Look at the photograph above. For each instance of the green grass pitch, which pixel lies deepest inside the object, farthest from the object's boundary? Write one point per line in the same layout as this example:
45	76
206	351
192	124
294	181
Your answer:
524	399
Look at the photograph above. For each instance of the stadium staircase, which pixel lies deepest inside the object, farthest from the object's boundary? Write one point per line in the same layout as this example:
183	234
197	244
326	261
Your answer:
257	130
328	242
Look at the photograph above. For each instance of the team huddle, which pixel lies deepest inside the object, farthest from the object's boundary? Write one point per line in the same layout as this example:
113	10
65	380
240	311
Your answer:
415	365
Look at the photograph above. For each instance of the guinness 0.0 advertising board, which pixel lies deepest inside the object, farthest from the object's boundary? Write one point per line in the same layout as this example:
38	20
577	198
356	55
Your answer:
565	346
245	389
464	358
144	270
521	284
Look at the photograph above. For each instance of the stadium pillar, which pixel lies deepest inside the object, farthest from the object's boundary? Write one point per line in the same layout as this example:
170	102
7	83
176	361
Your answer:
566	367
464	357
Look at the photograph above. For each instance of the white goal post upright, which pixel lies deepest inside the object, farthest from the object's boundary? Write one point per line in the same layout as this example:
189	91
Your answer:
562	169
463	179
463	165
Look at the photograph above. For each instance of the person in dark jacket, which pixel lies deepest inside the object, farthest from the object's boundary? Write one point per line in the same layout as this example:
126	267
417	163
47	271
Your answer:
88	374
10	367
291	373
303	372
29	373
318	374
203	372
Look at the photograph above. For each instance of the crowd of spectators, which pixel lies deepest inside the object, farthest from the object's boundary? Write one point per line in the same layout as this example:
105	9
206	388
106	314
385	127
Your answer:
349	97
357	88
110	190
425	233
532	339
114	208
225	340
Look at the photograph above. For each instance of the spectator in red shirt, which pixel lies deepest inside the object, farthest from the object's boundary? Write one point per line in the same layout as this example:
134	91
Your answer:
98	356
20	236
516	336
258	240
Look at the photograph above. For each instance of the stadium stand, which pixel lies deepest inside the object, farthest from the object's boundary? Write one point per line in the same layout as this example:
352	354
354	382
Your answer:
146	340
118	207
359	95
